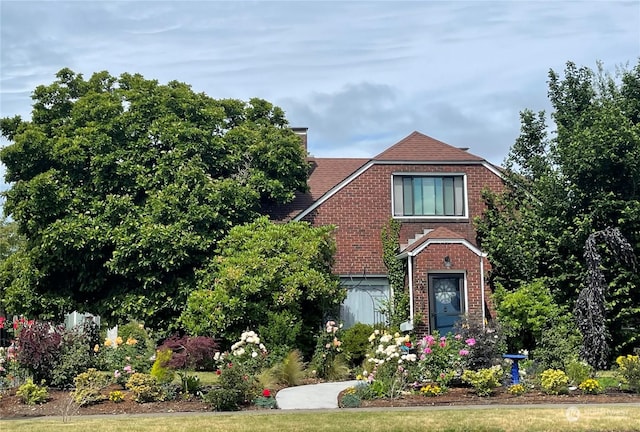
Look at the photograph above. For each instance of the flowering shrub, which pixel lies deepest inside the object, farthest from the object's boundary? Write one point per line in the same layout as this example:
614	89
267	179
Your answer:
249	352
517	389
432	390
554	381
484	380
390	366
591	386
328	347
629	370
442	358
89	387
124	357
266	400
116	396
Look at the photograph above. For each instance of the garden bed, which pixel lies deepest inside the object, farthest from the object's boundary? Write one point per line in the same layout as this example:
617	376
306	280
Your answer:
465	396
61	405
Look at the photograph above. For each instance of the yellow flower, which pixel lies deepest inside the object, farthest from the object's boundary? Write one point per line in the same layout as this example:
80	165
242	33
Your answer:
118	341
107	342
96	348
131	341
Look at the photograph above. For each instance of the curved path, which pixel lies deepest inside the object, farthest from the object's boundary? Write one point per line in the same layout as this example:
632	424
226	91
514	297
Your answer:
313	396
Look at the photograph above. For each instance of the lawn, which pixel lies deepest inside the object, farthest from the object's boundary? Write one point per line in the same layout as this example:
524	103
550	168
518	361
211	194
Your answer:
565	418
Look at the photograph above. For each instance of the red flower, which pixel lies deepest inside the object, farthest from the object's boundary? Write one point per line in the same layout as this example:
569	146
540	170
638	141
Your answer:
407	344
15	325
266	393
2	320
218	372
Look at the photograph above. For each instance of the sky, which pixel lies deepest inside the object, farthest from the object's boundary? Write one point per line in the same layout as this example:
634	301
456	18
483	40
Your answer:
361	75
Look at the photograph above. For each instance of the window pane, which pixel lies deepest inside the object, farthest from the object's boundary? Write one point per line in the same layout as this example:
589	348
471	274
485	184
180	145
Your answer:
408	195
429	196
398	201
448	196
438	196
459	192
417	196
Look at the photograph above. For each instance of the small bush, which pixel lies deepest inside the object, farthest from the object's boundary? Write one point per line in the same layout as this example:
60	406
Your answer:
224	399
290	370
160	370
590	386
350	400
431	390
89	386
629	371
557	344
116	396
578	371
490	343
266	401
190	383
484	380
517	389
145	388
355	342
554	381
191	352
31	393
76	356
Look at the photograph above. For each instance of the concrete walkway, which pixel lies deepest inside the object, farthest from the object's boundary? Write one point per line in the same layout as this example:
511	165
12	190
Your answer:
314	396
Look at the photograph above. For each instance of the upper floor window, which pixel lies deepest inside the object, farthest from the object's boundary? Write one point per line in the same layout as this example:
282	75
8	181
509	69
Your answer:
429	195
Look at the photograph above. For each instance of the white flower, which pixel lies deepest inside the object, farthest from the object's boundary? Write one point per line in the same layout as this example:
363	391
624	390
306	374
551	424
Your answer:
239	352
254	354
216	356
256	340
249	339
262	347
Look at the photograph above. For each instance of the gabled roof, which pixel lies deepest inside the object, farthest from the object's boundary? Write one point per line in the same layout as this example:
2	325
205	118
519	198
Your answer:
420	147
440	235
329	175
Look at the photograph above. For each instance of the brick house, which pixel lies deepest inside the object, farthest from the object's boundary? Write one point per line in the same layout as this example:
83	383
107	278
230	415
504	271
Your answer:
434	189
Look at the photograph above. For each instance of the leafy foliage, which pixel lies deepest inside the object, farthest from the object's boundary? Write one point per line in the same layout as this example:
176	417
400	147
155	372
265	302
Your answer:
123	187
31	393
263	266
397	311
629	370
191	352
160	369
355	342
40	348
484	381
145	388
89	386
564	187
554	381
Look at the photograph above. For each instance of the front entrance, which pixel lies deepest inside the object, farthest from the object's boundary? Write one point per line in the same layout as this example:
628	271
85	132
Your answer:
446	299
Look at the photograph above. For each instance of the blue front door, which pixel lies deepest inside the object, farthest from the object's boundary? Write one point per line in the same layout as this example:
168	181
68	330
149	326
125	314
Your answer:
446	301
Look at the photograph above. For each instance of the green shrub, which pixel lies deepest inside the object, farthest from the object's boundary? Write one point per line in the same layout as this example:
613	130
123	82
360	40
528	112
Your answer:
355	342
190	383
558	344
629	371
591	386
280	333
160	369
89	386
224	399
31	393
554	381
76	356
145	388
290	370
484	380
328	347
350	400
578	371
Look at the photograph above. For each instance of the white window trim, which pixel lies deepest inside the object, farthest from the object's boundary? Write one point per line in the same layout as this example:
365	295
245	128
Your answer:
434	217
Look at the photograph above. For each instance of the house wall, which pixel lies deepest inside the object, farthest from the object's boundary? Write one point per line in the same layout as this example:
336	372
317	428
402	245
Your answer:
361	209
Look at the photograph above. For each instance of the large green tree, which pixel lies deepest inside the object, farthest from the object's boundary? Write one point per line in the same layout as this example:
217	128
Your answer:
268	276
564	186
123	187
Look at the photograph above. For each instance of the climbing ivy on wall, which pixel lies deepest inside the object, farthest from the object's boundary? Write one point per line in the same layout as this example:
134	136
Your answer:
397	309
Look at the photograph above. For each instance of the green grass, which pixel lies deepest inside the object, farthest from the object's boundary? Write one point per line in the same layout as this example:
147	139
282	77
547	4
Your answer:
580	418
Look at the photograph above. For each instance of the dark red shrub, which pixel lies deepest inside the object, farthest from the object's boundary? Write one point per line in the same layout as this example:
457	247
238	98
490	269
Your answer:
191	352
39	348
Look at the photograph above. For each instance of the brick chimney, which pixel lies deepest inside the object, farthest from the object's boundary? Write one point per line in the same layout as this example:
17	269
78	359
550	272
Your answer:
302	133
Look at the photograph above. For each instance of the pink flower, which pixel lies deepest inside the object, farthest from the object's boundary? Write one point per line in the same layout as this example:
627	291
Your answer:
443	339
458	336
463	352
429	340
427	350
2	320
470	341
116	373
443	344
128	369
